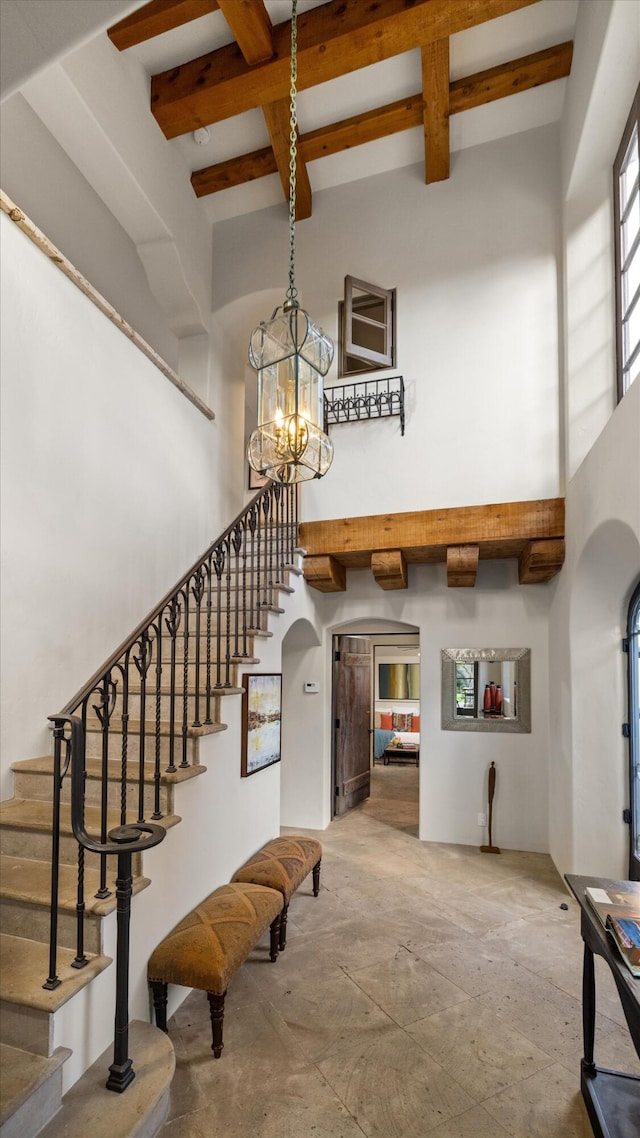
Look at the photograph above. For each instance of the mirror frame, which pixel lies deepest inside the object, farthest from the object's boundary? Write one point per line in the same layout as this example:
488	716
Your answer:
451	656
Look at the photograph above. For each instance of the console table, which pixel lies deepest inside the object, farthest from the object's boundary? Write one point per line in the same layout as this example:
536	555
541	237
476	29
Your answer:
612	1098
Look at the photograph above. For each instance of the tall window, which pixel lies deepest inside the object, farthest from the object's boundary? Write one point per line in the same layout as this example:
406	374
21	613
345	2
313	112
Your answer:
626	207
633	637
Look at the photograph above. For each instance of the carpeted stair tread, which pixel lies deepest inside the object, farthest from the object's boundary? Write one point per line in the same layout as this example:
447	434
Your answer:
24	967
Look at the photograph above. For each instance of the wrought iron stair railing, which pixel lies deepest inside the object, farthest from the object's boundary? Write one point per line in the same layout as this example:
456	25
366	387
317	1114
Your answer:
142	707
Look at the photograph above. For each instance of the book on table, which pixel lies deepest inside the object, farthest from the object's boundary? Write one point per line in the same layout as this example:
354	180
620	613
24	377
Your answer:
623	901
625	931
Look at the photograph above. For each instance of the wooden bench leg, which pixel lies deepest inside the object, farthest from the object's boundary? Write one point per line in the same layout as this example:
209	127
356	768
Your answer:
276	936
316	878
160	990
282	944
216	1008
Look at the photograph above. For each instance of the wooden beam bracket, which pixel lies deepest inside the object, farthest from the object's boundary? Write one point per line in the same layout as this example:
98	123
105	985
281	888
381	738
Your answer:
462	565
540	561
325	574
390	569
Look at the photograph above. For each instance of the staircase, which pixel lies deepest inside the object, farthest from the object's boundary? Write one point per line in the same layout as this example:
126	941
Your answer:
141	720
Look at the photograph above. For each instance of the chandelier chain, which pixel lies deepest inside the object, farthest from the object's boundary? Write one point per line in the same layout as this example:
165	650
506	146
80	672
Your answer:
293	138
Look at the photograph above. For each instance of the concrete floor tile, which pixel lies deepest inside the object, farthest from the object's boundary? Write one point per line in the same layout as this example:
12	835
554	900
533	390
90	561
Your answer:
548	1105
479	1050
406	988
391	1087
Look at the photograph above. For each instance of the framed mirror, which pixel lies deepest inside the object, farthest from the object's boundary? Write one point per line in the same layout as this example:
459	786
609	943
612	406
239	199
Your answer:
486	689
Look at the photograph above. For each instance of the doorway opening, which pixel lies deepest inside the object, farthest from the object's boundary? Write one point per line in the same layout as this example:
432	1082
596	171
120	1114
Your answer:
375	712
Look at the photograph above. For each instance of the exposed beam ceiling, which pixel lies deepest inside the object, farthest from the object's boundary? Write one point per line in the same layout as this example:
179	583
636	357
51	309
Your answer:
335	39
464	94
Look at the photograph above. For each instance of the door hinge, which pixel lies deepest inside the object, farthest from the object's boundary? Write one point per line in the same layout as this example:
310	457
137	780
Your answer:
337	725
337	791
626	817
625	644
625	731
337	657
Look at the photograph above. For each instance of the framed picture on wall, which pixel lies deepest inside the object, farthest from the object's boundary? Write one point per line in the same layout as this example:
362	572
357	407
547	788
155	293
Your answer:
256	481
261	721
398	681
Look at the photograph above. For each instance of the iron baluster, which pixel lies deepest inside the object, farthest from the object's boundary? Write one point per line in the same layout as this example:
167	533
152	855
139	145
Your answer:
236	541
259	525
278	491
185	682
252	522
104	710
244	589
142	662
266	507
157	813
197	591
227	682
124	671
53	980
208	570
219	561
172	623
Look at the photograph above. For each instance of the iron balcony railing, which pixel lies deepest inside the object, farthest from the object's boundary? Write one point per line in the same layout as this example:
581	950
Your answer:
367	399
140	706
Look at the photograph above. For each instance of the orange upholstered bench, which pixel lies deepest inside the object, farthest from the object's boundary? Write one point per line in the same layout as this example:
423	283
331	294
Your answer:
283	864
206	949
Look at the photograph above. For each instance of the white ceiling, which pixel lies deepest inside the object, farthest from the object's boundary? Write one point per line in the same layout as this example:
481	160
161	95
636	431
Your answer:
35	32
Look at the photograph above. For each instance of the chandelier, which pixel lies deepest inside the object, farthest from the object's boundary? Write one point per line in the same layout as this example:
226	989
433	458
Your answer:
291	355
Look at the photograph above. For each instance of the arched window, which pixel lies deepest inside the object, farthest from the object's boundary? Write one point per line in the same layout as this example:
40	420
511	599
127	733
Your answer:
633	645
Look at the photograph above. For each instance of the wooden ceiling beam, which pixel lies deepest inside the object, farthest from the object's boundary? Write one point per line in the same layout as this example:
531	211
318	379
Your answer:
435	90
496	83
462	566
390	569
417	531
252	29
155	18
334	39
278	119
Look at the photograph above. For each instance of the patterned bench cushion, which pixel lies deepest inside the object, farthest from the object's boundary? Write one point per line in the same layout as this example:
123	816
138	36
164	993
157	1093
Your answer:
281	864
207	947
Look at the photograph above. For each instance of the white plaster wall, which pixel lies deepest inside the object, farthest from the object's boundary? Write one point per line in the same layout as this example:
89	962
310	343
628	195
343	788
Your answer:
604	77
40	178
107	476
475	264
453	765
589	771
588	758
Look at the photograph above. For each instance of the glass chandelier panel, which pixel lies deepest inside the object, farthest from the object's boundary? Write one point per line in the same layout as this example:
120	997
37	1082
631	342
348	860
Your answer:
291	356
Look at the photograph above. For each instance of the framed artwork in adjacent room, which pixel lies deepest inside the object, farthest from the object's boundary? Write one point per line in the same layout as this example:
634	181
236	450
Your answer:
261	721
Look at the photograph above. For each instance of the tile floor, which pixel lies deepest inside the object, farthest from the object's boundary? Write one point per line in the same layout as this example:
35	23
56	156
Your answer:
428	990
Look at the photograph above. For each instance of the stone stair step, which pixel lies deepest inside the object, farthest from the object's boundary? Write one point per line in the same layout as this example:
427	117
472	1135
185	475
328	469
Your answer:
25	889
30	1089
25	1005
90	1109
33	779
93	739
25	830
